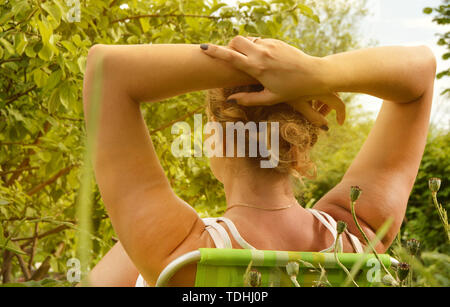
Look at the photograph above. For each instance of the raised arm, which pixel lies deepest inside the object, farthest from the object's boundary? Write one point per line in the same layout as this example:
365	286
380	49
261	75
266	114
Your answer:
387	164
152	223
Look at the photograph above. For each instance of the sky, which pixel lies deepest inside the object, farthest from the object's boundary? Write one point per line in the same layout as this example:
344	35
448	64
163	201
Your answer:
402	22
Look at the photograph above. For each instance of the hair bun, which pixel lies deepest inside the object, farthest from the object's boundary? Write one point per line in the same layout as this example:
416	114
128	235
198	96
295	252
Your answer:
297	134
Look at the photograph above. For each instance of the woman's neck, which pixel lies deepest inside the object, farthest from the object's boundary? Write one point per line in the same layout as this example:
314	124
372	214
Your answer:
257	188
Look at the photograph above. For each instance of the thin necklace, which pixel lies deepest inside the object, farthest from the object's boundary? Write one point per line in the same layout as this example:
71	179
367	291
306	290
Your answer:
256	207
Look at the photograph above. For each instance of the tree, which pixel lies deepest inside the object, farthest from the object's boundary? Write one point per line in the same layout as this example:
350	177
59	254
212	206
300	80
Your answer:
43	48
442	17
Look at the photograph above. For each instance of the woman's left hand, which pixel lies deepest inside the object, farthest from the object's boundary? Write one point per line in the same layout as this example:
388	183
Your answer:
286	73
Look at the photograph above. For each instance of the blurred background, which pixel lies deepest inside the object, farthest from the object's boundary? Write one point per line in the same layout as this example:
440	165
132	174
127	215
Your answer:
45	222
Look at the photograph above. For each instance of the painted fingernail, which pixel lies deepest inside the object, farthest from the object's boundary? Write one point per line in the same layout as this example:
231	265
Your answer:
231	100
324	128
204	46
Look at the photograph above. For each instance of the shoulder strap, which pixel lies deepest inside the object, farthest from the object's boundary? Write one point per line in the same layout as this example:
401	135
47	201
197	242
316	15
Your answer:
217	233
140	282
357	246
235	233
331	225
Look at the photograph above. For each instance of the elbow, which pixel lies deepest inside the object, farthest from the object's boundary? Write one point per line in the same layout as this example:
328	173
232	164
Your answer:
95	70
429	61
423	72
95	53
427	65
98	60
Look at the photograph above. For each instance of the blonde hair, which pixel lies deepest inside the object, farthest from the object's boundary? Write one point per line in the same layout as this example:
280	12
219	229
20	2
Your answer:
296	134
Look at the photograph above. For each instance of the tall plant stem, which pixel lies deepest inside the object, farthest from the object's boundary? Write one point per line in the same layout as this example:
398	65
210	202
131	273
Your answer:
442	214
340	263
352	207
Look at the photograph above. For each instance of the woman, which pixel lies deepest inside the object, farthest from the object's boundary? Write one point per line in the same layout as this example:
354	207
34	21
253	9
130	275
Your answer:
155	227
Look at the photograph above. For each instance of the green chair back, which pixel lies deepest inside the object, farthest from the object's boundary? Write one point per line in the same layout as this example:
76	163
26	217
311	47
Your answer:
227	267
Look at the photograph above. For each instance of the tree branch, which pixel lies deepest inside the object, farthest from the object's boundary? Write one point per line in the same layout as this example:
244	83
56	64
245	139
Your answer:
170	15
33	246
18	95
42	185
6	267
11	60
23	266
42	235
177	120
42	270
19	170
26	161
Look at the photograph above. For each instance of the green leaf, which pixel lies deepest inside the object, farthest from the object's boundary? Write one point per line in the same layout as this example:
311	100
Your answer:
10	246
53	80
133	29
69	46
46	53
145	24
7	46
77	40
82	63
307	11
217	7
19	7
53	10
65	94
6	16
21	43
29	51
45	30
39	77
53	101
427	10
55	163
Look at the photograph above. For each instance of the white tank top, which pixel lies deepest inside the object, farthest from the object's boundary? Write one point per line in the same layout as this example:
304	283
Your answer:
222	239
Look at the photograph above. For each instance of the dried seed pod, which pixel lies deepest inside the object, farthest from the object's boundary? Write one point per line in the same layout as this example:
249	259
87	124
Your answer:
402	271
434	184
292	268
413	246
355	192
341	227
254	278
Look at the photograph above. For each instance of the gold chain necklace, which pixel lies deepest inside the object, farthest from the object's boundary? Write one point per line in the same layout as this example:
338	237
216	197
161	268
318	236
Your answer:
256	207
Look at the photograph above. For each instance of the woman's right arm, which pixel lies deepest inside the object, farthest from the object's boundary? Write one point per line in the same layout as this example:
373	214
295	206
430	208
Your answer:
387	164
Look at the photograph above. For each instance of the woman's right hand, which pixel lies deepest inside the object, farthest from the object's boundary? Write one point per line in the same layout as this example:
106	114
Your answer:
287	74
316	108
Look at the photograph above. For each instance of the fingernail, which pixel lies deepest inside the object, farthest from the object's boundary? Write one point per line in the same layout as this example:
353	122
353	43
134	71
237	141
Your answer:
324	127
231	100
204	46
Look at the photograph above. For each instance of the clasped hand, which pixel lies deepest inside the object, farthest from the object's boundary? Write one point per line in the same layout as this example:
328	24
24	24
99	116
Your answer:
287	74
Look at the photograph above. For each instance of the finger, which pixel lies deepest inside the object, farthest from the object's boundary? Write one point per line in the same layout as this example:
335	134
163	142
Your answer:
324	110
243	45
310	114
253	39
317	104
238	60
262	98
334	102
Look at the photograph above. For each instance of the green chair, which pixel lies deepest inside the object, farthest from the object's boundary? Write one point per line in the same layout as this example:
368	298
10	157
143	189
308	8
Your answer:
218	267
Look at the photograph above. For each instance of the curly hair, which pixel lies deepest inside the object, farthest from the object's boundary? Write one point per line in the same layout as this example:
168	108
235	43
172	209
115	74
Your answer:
296	134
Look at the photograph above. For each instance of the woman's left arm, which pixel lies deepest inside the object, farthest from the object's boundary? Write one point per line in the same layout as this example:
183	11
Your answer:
152	223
